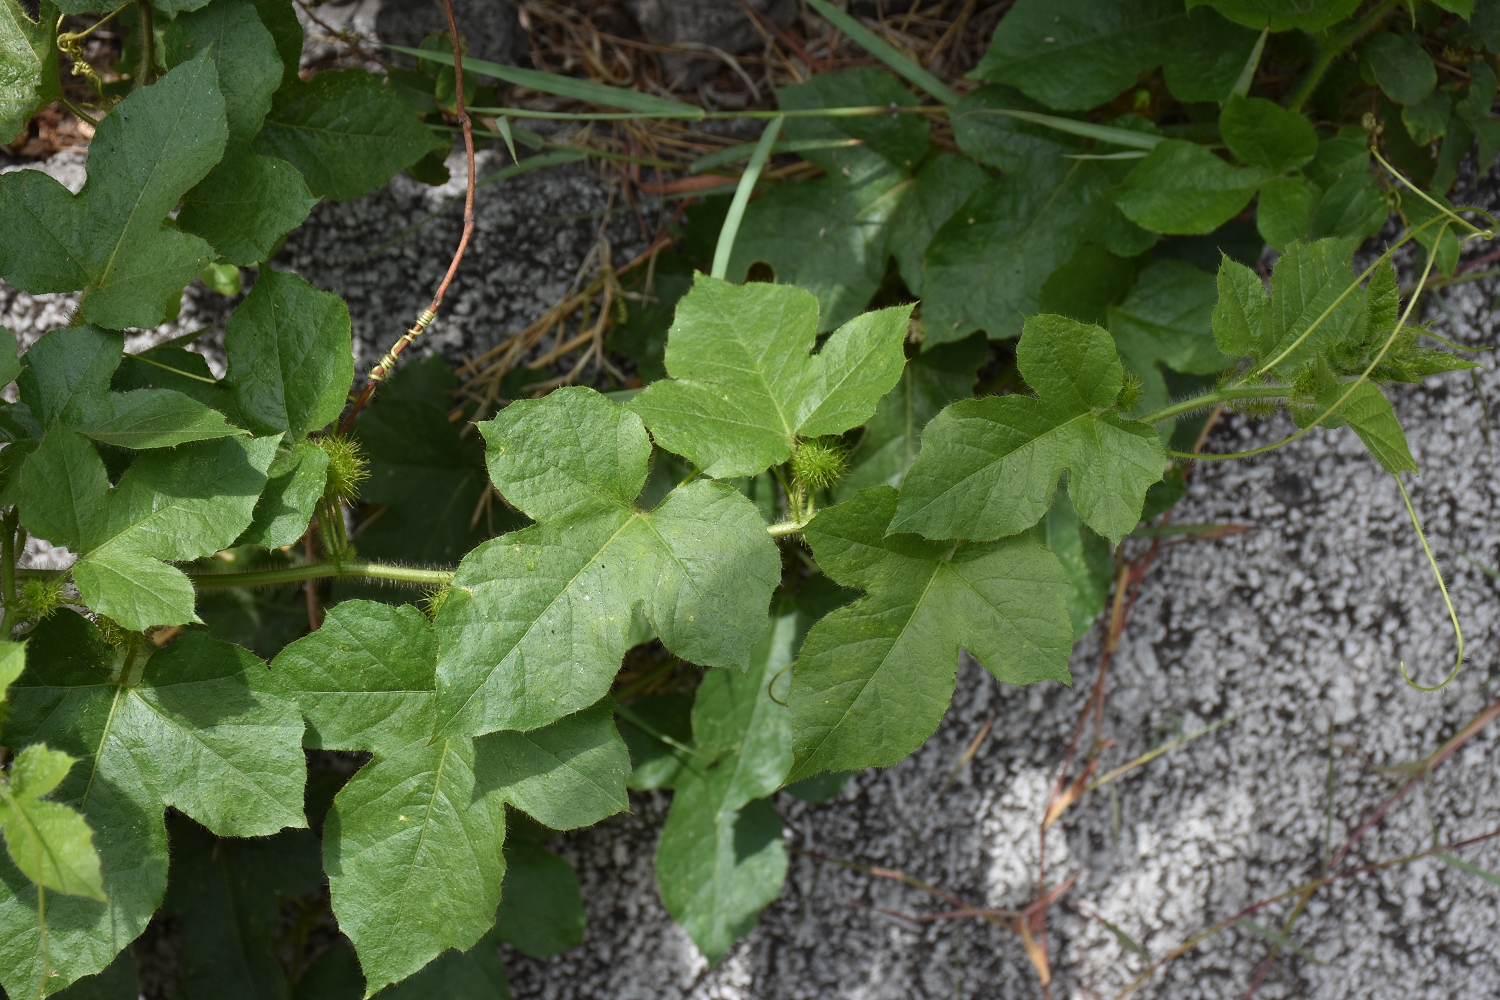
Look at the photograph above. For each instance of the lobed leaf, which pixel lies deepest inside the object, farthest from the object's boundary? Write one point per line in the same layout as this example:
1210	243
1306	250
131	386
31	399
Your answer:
875	677
364	679
109	240
412	847
988	467
568	775
196	728
537	620
744	385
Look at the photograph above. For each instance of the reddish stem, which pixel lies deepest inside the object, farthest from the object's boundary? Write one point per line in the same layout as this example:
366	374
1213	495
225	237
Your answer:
383	369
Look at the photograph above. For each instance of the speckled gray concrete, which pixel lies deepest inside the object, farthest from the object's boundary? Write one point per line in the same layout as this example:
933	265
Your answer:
532	234
1297	625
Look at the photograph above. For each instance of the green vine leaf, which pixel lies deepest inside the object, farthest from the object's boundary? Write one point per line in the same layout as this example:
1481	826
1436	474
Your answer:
223	892
413	843
109	240
30	58
195	728
537	620
177	504
1306	282
290	355
988	467
893	436
1282	15
874	677
155	418
986	265
1075	54
364	679
346	133
248	202
1182	188
412	847
745	386
295	482
541	910
51	844
720	860
567	775
1264	134
1166	319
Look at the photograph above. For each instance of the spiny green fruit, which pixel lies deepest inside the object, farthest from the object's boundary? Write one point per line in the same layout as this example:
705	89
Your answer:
1130	392
39	598
433	600
818	463
347	466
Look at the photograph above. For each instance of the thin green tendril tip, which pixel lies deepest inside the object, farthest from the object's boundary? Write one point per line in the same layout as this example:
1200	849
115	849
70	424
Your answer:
1452	614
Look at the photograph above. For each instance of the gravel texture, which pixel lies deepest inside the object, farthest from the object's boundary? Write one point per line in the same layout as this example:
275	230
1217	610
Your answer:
1297	627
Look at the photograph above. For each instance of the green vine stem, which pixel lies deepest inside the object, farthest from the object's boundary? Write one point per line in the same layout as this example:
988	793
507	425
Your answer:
1331	51
322	571
1214	398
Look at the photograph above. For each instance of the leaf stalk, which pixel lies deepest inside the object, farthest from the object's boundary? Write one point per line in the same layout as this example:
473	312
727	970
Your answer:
1214	398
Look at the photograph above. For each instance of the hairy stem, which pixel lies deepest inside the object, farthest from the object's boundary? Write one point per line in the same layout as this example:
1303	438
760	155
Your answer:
322	571
1331	51
1214	398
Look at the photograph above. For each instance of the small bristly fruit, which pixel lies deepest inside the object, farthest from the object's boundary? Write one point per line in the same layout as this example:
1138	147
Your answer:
347	466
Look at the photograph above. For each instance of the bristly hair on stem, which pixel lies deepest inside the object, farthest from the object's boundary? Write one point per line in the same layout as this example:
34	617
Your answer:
388	363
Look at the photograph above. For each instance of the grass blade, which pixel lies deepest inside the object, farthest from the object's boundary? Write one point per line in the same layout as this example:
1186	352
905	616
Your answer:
565	86
742	197
732	154
1277	938
885	52
1475	870
1088	130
